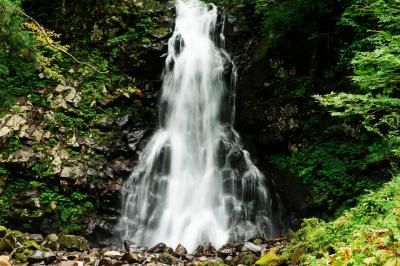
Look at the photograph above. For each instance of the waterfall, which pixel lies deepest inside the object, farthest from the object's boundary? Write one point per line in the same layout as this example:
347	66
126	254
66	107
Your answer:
194	183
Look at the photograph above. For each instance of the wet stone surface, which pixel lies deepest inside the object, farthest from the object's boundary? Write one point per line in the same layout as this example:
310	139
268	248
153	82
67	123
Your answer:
71	250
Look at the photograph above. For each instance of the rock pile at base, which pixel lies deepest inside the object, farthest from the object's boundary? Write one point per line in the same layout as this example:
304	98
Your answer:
17	248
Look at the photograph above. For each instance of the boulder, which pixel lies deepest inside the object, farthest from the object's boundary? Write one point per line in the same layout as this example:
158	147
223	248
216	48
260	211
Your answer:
72	243
247	258
4	261
180	250
114	254
131	258
209	250
168	259
225	252
45	256
36	237
161	248
253	248
271	259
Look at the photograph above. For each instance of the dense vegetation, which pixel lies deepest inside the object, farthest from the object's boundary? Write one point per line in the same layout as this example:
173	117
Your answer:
349	55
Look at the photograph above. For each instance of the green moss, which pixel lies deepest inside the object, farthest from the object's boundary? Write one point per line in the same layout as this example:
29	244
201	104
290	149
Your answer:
368	232
248	259
31	244
20	257
167	259
271	259
208	263
63	209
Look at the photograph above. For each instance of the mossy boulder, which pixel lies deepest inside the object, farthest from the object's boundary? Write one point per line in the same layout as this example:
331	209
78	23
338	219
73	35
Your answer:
3	231
168	259
248	258
31	244
51	241
14	239
4	247
72	243
23	254
271	259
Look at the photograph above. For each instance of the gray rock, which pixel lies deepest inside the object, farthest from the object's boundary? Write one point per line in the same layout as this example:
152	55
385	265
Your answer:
131	258
45	256
253	248
209	250
161	248
113	254
133	138
225	252
36	237
73	243
180	250
122	121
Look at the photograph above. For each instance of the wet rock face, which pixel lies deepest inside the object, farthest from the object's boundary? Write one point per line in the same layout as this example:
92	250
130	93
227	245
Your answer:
269	116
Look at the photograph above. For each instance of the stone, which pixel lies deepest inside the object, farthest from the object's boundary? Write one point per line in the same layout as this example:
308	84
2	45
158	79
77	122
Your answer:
51	238
127	245
122	121
4	261
209	250
71	172
253	248
14	238
73	243
28	199
72	255
3	231
248	258
225	252
113	254
68	263
168	259
180	250
161	248
134	138
271	259
71	95
5	131
31	244
15	122
36	237
21	156
257	241
45	256
131	258
199	251
59	103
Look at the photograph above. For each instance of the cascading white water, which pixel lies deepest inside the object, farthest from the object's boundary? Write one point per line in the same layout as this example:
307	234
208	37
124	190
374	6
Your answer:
194	183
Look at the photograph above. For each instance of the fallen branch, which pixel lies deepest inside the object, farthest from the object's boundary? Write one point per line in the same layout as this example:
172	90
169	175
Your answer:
59	49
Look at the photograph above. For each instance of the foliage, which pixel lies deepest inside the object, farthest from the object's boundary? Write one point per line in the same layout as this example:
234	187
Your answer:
15	54
338	162
368	234
375	61
27	61
63	210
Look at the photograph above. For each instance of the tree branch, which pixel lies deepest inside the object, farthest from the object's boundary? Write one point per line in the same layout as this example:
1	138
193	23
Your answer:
59	49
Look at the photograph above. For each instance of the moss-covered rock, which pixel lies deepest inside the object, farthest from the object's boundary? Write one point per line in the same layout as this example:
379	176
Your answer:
22	254
271	259
14	238
248	258
167	259
3	231
73	243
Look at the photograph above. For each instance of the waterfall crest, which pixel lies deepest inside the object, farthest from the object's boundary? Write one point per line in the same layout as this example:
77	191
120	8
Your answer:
194	183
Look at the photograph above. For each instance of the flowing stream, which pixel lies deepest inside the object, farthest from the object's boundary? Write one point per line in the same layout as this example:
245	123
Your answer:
194	183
